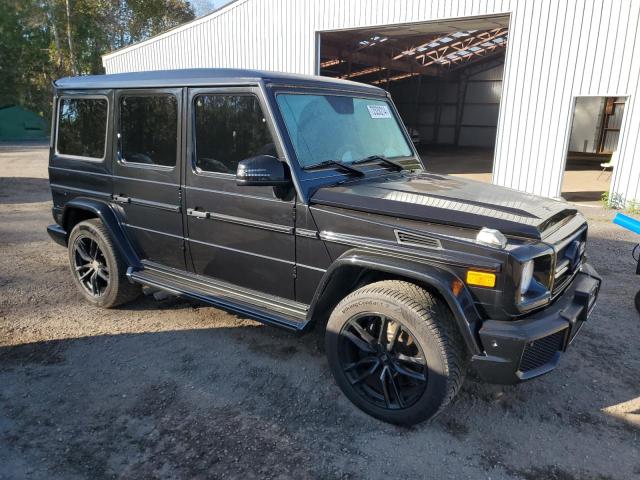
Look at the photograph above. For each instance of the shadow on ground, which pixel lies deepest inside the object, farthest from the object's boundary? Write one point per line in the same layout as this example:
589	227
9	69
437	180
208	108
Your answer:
250	402
582	196
14	190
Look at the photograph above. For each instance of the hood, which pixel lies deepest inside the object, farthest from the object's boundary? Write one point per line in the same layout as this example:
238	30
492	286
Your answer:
449	200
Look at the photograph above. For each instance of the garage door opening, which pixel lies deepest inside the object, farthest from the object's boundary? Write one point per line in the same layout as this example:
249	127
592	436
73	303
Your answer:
445	78
591	157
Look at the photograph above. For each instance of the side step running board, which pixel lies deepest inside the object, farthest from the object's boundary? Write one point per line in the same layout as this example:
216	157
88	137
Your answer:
226	297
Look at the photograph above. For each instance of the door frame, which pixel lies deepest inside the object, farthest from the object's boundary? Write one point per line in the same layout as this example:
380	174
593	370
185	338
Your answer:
161	175
191	171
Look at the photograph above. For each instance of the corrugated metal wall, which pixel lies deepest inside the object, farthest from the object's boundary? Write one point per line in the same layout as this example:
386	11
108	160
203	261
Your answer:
558	49
481	108
436	107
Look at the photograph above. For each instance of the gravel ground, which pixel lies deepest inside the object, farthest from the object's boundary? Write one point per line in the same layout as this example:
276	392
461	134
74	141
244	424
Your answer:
173	389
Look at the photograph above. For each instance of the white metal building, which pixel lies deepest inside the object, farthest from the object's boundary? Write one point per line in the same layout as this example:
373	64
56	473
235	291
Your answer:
557	51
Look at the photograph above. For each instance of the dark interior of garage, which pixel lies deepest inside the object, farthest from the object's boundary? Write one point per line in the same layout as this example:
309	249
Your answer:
445	78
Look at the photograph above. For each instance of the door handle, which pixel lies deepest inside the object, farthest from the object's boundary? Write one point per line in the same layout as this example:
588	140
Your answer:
121	199
197	214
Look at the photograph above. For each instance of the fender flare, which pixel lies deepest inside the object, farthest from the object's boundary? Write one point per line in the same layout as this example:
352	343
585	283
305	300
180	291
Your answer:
462	306
105	213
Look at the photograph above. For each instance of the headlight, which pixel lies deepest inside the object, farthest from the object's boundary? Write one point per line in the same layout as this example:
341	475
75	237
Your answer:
533	285
526	276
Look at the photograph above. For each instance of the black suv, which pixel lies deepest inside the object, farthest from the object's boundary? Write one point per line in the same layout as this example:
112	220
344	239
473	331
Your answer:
302	202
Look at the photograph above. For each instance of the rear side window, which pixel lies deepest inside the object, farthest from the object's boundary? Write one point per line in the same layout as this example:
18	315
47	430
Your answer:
229	128
149	129
82	127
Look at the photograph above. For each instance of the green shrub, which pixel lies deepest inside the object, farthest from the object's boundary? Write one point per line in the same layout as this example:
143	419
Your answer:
612	200
633	206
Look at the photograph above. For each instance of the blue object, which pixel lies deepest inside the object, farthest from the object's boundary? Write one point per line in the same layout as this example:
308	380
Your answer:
627	222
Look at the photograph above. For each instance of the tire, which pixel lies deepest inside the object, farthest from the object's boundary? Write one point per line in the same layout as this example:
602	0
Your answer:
638	302
92	256
416	372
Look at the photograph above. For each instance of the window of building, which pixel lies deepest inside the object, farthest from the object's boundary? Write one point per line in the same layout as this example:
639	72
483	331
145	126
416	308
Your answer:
229	128
82	127
149	129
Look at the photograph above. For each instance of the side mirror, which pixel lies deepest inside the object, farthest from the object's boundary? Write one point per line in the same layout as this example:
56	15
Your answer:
261	171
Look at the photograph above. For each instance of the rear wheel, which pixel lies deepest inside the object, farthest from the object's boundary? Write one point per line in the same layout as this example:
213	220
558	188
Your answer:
96	267
394	351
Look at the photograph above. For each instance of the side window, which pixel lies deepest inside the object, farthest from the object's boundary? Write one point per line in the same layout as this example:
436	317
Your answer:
229	128
82	127
149	129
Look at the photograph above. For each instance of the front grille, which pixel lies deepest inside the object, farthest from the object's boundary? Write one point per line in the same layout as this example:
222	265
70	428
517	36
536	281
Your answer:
568	259
561	277
541	351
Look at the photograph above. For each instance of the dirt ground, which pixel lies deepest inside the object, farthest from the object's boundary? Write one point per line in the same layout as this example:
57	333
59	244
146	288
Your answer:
174	389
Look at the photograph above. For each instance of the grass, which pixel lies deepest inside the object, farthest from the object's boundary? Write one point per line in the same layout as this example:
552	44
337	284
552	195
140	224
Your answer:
616	201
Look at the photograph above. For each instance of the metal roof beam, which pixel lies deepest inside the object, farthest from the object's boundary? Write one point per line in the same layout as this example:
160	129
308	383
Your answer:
366	58
439	54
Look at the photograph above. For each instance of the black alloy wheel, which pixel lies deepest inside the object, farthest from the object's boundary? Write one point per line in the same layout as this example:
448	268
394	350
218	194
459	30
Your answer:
91	266
98	269
395	351
383	361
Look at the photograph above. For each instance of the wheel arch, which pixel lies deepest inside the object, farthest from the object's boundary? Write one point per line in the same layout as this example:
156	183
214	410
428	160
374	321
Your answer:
356	268
80	209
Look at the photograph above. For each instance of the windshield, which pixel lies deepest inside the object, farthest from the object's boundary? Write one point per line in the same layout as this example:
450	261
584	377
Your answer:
342	128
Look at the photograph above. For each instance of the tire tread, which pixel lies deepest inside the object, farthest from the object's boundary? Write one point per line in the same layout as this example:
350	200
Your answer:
438	318
125	290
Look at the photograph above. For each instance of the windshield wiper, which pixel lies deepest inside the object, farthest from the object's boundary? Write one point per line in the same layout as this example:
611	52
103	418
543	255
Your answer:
336	163
382	158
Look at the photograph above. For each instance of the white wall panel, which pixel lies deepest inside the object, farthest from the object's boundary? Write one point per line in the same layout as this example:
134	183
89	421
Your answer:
558	49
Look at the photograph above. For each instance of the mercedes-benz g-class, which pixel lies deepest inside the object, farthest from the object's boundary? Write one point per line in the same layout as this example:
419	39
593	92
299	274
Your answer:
302	202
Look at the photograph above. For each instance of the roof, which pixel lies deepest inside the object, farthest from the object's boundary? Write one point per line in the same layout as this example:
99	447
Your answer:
203	77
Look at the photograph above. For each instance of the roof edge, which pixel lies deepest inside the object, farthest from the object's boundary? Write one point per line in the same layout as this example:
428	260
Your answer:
172	31
200	76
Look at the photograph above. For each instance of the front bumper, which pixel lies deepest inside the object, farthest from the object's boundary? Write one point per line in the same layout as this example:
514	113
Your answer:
520	350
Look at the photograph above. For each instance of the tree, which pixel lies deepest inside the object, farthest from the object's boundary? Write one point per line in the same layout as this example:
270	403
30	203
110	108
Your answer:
43	40
72	57
24	57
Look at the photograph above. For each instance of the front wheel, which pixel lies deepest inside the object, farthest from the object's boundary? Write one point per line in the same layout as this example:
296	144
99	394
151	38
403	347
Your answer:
395	352
98	270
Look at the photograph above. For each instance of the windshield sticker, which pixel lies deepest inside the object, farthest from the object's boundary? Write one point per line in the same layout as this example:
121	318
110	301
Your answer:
379	111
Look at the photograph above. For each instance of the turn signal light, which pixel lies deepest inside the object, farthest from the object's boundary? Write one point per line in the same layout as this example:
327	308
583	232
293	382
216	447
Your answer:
481	279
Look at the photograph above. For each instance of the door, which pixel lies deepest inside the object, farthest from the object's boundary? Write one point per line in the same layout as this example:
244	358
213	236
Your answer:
147	170
236	234
611	123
